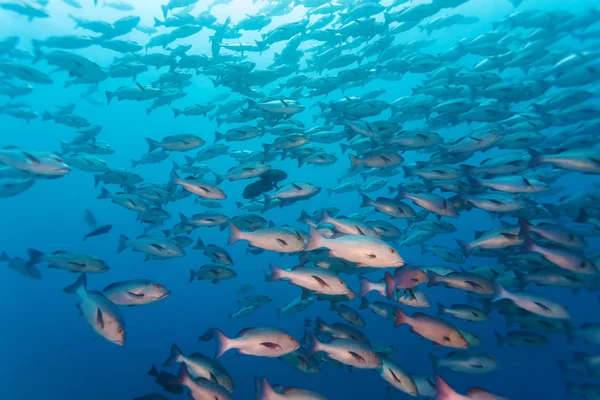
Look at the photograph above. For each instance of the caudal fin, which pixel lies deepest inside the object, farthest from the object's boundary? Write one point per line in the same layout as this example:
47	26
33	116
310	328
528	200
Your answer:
464	247
315	240
223	344
263	390
315	345
444	391
80	284
276	273
175	356
537	158
122	243
402	192
35	256
365	286
183	378
500	293
152	145
354	161
366	201
235	234
390	285
401	318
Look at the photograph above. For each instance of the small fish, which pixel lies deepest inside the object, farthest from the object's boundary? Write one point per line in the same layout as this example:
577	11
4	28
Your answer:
262	342
135	292
101	314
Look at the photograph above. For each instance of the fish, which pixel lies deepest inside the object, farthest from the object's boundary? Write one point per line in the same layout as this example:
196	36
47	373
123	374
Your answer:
437	330
361	250
135	292
261	342
347	352
201	366
533	303
200	389
100	313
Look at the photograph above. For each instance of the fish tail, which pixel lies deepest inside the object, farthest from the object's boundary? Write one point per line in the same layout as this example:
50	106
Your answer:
401	318
524	226
444	391
104	194
165	10
365	287
199	244
499	339
173	178
500	293
276	273
434	361
364	303
223	344
366	201
263	390
528	244
35	256
315	240
122	243
432	278
218	136
354	161
183	378
474	182
235	234
175	356
521	282
390	285
152	144
464	247
153	371
109	97
218	178
79	285
176	112
157	22
441	309
4	257
402	192
192	275
537	158
315	345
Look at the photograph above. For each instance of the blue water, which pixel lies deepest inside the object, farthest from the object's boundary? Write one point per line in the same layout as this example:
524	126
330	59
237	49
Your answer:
49	352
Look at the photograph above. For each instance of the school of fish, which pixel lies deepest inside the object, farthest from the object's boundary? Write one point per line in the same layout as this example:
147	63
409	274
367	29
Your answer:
527	99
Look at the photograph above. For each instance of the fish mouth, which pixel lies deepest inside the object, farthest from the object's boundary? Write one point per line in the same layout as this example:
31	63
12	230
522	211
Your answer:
166	294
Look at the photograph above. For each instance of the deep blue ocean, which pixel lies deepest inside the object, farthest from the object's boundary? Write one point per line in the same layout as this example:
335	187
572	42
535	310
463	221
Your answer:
48	351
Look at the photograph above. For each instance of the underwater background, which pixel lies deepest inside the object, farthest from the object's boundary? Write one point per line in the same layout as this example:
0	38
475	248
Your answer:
49	352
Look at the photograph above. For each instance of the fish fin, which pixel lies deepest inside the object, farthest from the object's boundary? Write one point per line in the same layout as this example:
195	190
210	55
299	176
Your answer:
175	356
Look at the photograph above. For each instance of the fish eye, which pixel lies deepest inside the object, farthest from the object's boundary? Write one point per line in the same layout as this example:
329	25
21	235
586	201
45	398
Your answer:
375	355
491	359
178	246
158	286
341	281
392	251
120	331
290	337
